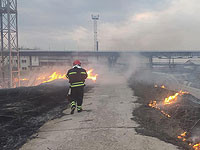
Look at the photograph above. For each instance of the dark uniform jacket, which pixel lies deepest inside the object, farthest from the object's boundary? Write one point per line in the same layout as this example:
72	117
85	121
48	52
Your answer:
76	76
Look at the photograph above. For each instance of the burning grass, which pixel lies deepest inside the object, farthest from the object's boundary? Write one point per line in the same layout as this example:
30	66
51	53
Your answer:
49	77
168	115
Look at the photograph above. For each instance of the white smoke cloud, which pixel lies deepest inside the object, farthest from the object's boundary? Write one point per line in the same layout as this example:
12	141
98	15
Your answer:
83	38
174	28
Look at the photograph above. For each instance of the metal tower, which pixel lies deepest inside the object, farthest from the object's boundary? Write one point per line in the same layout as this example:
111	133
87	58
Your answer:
96	44
9	43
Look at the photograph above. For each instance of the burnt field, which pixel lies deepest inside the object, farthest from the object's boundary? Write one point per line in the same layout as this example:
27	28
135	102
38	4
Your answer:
24	110
166	122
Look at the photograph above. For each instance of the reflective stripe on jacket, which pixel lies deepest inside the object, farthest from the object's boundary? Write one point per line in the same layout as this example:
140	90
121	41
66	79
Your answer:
76	76
77	84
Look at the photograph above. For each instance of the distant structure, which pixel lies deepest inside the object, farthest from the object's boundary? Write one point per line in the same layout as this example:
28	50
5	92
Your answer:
10	70
95	18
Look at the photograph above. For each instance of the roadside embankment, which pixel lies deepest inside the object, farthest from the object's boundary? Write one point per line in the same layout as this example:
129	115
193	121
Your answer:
165	121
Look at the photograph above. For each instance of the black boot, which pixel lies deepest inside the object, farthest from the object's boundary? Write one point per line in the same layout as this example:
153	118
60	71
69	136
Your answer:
73	107
72	110
79	109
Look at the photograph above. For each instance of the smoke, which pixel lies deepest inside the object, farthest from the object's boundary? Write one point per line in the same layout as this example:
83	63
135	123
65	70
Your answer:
195	134
173	28
115	71
196	138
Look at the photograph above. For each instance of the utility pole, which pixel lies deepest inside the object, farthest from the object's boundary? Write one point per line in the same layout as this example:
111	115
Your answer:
95	18
9	43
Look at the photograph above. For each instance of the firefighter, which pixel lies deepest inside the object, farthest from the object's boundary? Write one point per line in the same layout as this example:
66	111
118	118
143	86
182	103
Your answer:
76	76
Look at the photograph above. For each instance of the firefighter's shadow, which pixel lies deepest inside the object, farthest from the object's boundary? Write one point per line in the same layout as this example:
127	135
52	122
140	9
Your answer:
87	110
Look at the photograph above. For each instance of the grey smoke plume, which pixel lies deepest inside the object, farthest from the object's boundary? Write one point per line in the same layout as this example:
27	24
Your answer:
195	138
173	28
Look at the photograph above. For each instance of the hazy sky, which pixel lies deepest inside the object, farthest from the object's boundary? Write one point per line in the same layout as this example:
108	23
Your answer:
123	24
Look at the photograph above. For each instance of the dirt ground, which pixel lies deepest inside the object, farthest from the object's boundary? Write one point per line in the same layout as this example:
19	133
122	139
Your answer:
184	114
24	110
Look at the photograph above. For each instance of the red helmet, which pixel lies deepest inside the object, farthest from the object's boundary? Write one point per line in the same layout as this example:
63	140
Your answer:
76	62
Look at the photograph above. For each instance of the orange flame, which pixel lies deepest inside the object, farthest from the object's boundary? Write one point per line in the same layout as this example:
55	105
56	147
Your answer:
154	104
163	87
172	99
54	76
182	136
196	146
91	76
44	78
167	101
24	79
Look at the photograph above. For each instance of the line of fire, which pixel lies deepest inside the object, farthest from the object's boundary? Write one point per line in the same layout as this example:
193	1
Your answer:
167	102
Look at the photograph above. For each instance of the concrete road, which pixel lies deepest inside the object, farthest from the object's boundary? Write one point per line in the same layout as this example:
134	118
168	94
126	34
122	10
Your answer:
104	125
